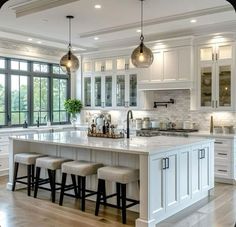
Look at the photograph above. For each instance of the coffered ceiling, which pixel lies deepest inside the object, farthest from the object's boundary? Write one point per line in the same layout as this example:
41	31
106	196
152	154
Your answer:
115	25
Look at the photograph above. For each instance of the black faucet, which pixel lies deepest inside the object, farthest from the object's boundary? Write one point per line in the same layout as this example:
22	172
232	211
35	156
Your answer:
131	117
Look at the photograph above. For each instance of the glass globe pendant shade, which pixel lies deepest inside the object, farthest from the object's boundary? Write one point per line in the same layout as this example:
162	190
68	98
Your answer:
142	56
69	63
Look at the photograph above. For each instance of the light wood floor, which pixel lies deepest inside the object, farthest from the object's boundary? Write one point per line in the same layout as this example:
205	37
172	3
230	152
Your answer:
17	209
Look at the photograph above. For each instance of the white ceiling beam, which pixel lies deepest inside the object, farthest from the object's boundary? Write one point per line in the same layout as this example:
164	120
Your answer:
38	6
160	20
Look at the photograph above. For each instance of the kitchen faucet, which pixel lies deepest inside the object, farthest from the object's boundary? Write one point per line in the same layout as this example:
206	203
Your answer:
129	113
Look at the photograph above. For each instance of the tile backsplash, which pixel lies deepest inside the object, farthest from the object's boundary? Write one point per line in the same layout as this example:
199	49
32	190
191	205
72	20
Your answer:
179	111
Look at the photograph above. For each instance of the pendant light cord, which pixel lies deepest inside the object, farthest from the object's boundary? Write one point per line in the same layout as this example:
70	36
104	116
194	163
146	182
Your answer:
142	37
69	32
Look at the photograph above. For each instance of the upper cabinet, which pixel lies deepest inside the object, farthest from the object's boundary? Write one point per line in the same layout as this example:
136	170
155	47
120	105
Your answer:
215	81
171	69
110	83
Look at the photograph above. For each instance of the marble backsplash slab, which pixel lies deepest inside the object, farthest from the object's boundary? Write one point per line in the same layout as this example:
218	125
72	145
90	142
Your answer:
180	111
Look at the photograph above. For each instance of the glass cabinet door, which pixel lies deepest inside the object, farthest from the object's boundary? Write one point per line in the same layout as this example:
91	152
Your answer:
224	85
87	92
108	91
120	90
206	86
97	91
133	90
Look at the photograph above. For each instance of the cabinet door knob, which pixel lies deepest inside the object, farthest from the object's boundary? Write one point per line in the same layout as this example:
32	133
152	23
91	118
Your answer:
216	104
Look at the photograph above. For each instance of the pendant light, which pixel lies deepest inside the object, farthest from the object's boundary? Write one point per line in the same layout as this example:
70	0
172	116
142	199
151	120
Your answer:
142	56
69	63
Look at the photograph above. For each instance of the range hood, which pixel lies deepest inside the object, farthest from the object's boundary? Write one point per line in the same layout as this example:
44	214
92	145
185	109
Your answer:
167	85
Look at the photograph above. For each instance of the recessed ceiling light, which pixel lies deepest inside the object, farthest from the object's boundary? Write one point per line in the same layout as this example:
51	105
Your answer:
30	39
96	38
97	6
39	42
138	30
193	21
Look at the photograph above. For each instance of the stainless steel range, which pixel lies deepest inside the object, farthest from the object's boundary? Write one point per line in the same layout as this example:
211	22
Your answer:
168	132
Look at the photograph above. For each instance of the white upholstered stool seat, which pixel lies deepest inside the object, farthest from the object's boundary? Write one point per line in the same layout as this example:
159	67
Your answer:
50	162
81	168
27	158
119	174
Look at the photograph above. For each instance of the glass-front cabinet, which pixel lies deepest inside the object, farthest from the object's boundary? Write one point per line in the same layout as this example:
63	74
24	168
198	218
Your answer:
109	83
215	69
87	92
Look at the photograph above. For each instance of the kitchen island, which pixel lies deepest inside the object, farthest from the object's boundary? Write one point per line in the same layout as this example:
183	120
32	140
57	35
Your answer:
175	172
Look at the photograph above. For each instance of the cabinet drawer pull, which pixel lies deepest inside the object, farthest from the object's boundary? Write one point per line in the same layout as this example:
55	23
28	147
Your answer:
164	163
202	153
221	170
168	163
216	104
223	154
217	142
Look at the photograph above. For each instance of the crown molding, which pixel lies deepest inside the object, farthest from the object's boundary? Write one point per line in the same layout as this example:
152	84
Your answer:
38	6
161	20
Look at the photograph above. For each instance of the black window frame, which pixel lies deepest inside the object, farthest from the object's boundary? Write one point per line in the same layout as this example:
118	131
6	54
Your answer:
31	74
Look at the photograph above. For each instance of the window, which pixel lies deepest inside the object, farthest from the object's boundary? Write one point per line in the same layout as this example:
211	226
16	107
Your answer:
56	69
40	99
40	68
19	99
31	91
19	65
2	99
2	63
59	97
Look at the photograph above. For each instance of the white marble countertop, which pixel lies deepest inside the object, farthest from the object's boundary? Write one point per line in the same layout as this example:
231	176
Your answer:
212	135
135	145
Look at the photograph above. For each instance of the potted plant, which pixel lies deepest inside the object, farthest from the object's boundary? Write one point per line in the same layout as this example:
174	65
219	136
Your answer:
73	106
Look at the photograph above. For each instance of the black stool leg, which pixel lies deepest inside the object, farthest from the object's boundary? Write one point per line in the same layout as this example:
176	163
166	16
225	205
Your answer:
118	194
104	192
29	179
63	183
99	193
79	187
15	175
32	175
38	169
74	184
53	186
83	193
123	197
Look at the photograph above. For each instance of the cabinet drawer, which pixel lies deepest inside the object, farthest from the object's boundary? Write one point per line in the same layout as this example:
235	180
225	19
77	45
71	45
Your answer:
222	171
223	143
4	149
222	155
4	162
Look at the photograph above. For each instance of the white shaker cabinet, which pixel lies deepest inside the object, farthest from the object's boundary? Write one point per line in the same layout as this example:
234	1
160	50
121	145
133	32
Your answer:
171	69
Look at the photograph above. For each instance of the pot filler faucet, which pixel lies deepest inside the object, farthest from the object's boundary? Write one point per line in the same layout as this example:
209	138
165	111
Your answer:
129	116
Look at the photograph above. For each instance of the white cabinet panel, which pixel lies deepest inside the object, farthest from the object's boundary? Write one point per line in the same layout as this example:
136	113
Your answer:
184	63
157	187
156	69
205	169
172	181
184	174
196	171
170	59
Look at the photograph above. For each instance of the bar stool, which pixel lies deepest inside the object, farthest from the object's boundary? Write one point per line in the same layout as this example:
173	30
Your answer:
81	169
122	176
51	164
29	160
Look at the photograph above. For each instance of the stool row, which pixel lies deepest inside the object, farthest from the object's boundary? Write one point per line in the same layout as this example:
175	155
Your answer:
78	170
